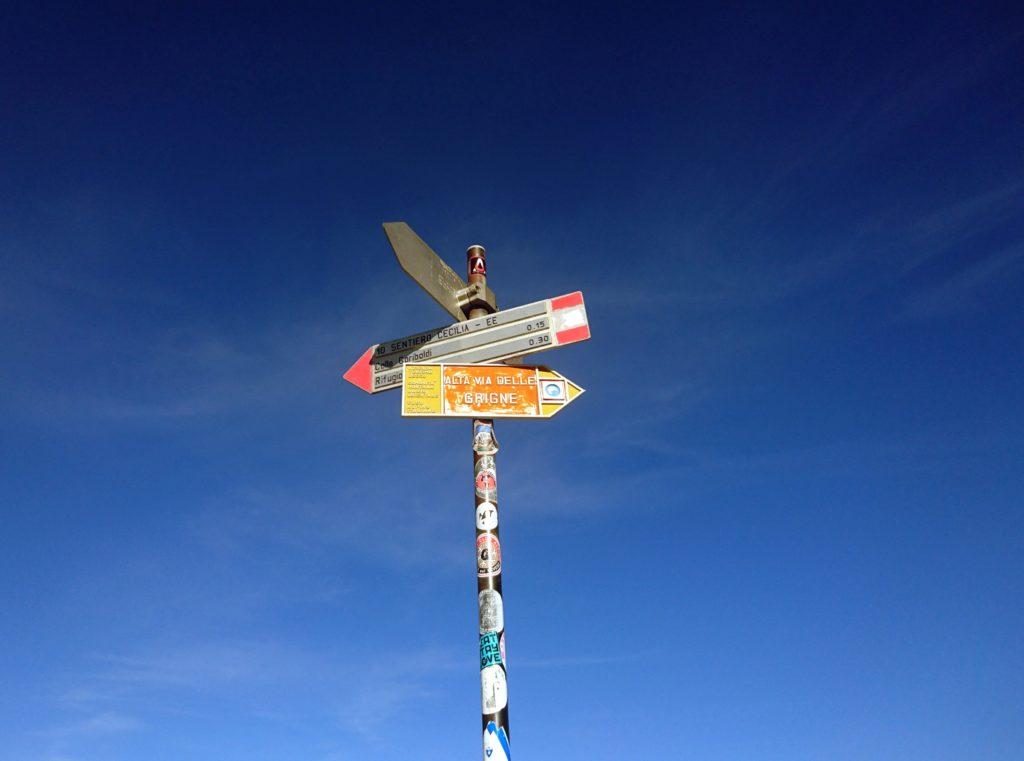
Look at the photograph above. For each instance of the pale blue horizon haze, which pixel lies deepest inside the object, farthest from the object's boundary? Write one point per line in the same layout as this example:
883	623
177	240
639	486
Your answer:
782	524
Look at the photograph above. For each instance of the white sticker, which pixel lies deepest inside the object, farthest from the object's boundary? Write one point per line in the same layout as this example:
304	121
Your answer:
492	611
493	689
486	516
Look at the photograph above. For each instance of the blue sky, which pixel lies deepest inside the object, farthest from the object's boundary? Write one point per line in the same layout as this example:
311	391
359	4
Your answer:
783	523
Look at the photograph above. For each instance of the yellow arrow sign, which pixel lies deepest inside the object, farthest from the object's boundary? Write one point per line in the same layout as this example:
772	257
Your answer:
484	391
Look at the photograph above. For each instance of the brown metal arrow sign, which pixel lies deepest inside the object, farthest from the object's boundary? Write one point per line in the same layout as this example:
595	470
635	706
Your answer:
431	273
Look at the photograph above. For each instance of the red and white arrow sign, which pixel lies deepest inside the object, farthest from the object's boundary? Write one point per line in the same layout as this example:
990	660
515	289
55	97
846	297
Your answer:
509	333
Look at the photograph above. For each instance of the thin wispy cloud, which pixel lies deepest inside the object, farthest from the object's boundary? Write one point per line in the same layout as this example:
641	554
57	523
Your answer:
379	697
573	661
968	289
348	514
88	728
915	83
106	723
356	695
876	260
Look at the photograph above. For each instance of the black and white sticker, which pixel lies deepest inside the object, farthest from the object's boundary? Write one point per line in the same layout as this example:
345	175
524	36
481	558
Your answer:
492	611
486	516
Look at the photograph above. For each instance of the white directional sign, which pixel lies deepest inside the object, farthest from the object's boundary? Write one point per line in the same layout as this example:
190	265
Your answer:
502	335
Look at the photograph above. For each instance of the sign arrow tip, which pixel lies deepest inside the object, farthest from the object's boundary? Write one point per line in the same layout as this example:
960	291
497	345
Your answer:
360	374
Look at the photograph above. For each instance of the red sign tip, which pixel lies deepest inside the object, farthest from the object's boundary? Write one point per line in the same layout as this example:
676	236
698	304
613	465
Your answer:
573	299
359	374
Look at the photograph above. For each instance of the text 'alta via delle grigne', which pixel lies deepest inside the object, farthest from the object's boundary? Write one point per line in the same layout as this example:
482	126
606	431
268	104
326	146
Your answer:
500	380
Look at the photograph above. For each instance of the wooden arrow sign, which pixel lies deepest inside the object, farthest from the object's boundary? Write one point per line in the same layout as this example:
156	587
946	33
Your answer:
510	333
484	391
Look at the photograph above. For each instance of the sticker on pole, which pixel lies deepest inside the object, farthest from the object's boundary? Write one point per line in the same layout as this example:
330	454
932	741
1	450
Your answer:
488	555
483	439
490	650
486	483
492	611
496	743
486	516
493	689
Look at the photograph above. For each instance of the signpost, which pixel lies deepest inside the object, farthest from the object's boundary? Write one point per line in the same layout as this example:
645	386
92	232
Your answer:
485	338
452	372
493	391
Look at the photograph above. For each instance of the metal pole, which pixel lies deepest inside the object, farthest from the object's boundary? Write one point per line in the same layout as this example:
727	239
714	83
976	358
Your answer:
493	681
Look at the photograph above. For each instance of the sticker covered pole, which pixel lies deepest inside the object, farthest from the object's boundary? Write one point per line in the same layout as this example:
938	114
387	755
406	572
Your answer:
493	679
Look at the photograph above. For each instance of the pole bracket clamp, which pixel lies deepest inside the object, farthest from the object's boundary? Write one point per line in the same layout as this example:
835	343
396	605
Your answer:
477	296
